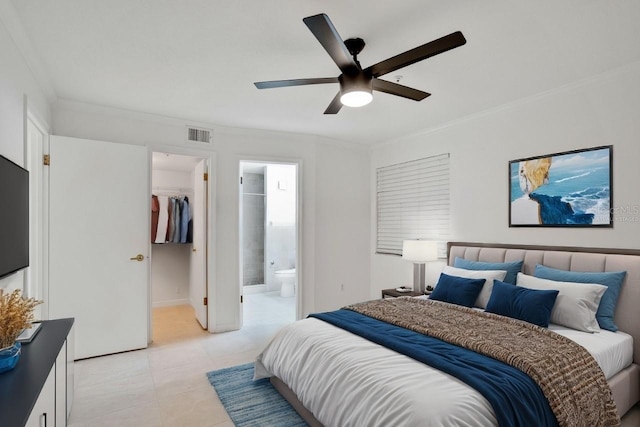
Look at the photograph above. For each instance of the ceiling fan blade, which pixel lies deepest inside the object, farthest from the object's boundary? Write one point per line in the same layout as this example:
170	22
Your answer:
335	105
322	28
417	54
399	90
295	82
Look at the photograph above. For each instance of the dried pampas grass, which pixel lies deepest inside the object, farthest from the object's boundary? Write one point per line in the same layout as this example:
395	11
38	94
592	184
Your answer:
16	314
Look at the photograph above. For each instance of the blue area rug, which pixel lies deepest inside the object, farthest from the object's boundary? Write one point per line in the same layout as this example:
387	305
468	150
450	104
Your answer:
252	403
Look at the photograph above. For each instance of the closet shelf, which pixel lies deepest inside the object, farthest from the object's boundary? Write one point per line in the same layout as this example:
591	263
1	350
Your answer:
254	194
169	191
173	193
172	243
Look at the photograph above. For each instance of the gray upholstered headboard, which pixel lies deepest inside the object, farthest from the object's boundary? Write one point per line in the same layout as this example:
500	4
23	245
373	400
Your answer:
627	315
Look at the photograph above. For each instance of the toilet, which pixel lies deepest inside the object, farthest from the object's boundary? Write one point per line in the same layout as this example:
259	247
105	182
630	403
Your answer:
288	280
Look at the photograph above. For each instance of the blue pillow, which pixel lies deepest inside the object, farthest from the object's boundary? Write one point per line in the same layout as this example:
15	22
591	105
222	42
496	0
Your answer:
457	290
531	305
612	280
512	268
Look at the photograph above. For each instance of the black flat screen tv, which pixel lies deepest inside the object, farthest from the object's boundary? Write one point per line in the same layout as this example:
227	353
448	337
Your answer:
14	217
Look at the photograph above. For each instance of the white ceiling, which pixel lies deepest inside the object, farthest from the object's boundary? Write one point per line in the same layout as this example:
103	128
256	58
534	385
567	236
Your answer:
197	59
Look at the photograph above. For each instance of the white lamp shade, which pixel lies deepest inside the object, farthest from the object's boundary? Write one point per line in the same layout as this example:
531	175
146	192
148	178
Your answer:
355	90
420	250
356	98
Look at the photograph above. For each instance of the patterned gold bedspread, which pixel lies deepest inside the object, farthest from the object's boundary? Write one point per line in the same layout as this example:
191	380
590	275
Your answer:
567	374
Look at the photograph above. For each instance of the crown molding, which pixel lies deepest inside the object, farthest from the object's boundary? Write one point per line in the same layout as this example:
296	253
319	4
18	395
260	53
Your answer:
63	104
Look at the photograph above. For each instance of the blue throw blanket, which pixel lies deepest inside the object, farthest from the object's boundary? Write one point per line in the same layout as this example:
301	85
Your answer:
516	399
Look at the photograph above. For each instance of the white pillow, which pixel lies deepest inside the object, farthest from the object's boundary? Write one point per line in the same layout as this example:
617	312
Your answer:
576	304
487	275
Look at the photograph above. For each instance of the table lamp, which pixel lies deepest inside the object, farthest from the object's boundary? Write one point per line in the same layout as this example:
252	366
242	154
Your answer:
419	252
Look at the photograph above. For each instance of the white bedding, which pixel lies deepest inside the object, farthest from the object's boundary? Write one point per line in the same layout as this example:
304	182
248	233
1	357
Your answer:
384	387
612	350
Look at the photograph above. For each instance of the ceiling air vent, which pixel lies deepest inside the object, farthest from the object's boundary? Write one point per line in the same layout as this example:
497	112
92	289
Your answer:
199	135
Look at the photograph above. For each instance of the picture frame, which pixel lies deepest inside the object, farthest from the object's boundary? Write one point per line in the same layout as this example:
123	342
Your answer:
568	189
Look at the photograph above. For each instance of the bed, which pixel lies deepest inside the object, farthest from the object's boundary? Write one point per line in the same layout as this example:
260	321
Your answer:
334	378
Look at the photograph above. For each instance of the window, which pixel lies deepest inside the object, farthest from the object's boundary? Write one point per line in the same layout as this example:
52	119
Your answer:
413	203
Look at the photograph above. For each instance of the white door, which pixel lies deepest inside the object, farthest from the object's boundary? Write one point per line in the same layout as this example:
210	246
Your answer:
99	239
34	275
198	276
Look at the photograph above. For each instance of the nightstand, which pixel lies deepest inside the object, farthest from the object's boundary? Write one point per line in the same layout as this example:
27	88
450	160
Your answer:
392	293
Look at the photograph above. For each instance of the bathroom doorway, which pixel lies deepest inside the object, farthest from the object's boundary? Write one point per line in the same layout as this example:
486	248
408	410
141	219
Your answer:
268	243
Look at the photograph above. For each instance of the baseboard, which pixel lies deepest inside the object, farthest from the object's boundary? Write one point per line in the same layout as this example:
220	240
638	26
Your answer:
170	303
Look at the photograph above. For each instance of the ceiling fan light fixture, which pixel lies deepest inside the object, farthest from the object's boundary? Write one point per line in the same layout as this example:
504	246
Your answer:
356	91
356	98
357	83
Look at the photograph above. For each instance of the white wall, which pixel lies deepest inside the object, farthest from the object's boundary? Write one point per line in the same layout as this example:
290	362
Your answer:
18	89
342	218
603	110
172	179
170	274
335	198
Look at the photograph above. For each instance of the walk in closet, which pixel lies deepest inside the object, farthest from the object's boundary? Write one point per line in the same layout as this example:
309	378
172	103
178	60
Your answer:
178	241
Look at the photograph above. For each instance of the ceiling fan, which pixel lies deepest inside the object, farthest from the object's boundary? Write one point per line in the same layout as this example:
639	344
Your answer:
356	83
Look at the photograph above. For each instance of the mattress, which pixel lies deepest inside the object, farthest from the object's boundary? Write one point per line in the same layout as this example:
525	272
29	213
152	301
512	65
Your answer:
612	350
385	387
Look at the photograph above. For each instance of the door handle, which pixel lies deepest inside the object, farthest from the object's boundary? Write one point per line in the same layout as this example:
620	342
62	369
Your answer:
138	258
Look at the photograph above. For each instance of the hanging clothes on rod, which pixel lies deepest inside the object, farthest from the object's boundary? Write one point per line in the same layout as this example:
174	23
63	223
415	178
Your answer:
171	228
163	220
174	219
155	215
185	219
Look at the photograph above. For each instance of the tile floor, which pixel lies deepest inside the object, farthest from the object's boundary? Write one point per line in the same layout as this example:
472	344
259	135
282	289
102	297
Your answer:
165	384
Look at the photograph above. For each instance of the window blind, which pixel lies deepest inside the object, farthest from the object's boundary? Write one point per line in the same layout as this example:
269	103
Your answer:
413	203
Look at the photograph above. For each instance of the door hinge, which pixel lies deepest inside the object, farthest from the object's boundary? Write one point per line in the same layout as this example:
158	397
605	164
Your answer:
205	301
240	180
46	160
241	299
206	176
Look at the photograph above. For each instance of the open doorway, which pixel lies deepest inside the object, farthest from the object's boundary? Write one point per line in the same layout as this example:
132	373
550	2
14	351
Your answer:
178	247
269	236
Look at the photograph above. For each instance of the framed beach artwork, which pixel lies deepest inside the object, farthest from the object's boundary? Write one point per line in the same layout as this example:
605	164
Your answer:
569	189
